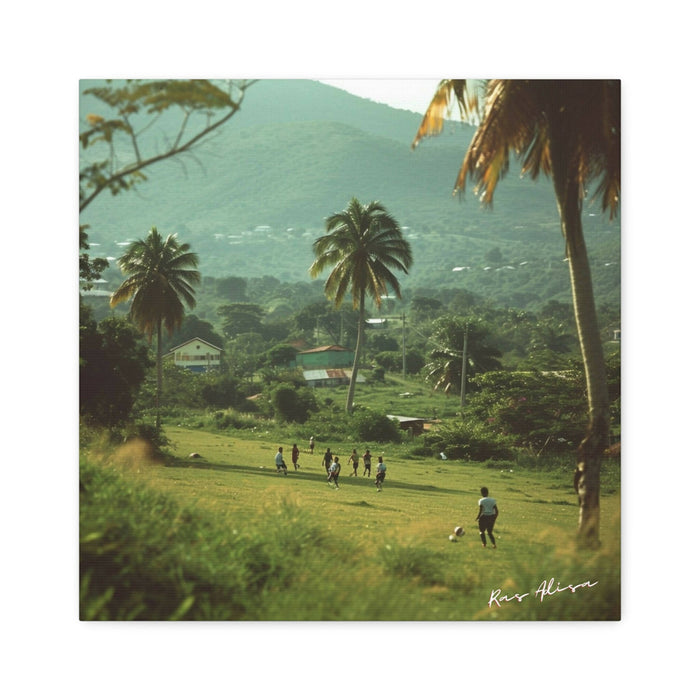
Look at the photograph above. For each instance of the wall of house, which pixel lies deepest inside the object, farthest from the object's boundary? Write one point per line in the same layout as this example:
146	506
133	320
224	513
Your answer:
326	359
197	356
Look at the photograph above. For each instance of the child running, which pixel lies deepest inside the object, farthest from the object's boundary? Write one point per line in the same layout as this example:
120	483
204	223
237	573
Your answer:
327	459
381	473
279	462
334	472
295	457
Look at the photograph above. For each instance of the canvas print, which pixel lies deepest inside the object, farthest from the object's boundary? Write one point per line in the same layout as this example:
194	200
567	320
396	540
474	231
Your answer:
349	350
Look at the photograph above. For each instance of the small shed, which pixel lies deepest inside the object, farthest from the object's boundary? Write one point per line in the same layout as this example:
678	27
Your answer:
415	425
329	377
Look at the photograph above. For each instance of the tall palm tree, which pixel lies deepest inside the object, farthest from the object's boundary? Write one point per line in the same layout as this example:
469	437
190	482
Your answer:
161	274
362	244
570	131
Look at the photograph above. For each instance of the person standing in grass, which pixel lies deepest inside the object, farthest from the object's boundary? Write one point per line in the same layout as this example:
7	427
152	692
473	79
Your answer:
295	456
334	472
311	444
486	517
381	473
279	462
327	459
367	457
355	459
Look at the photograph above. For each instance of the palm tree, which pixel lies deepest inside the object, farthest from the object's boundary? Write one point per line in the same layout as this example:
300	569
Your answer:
568	130
160	278
445	362
362	244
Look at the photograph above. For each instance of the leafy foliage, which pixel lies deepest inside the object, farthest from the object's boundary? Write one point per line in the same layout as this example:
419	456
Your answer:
291	404
133	107
444	366
161	273
373	426
113	364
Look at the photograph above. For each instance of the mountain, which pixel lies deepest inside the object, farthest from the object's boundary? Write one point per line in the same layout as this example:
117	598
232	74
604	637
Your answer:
252	199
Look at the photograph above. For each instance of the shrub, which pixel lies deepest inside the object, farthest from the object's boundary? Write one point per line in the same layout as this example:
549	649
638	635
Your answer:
470	441
293	405
373	426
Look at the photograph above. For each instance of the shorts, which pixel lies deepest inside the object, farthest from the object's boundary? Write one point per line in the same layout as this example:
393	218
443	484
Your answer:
486	523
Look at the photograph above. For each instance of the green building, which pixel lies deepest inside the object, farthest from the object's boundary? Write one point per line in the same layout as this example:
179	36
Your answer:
325	357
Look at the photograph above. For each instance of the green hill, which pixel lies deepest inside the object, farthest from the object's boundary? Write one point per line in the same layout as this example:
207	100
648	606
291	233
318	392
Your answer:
252	200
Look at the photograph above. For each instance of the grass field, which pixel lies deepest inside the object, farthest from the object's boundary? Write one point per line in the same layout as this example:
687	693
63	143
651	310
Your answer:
224	536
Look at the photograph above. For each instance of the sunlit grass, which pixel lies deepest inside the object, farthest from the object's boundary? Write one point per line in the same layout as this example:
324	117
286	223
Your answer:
304	551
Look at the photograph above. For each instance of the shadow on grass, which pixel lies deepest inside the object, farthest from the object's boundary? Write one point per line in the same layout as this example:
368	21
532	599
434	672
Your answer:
271	473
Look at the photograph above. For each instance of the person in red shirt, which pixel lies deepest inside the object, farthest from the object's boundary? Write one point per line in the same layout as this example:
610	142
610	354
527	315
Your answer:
295	457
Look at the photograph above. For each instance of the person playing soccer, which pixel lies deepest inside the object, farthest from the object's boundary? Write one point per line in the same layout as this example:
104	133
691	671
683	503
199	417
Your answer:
327	459
367	458
486	517
334	472
355	459
295	457
381	473
279	462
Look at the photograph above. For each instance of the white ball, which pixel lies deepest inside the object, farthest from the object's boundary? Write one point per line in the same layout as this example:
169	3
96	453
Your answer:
452	538
459	530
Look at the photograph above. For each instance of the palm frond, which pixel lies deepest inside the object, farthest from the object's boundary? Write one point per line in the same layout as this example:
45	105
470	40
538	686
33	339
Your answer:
439	107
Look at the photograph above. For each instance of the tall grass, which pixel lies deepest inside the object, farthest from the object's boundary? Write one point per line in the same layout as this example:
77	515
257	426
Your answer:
223	539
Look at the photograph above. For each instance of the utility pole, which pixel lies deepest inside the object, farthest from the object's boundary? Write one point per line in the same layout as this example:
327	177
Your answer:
464	369
403	333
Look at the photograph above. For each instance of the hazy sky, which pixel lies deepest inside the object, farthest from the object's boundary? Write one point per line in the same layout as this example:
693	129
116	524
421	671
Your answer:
402	93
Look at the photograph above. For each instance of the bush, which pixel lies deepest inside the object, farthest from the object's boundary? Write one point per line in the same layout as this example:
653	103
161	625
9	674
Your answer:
469	441
233	419
293	405
372	426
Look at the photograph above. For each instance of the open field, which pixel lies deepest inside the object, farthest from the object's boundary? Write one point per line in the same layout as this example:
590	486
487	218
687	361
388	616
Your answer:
354	553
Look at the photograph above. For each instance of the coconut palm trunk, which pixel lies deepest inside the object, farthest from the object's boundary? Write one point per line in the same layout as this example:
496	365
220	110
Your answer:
590	450
358	354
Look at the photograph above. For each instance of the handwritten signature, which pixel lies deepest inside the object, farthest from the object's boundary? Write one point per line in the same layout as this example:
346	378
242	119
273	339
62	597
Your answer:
545	589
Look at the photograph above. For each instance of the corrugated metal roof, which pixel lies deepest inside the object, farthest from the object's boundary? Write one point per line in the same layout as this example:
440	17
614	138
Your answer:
326	348
319	374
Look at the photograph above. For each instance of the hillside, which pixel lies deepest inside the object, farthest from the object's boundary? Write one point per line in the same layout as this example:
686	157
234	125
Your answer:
299	150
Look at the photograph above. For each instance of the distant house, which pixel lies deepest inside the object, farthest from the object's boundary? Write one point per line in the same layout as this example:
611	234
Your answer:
325	357
329	377
196	355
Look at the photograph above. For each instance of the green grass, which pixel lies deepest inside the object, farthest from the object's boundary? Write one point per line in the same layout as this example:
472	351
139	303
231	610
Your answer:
389	397
226	537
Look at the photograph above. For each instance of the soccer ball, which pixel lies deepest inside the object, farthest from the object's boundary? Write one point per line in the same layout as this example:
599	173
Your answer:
452	538
459	531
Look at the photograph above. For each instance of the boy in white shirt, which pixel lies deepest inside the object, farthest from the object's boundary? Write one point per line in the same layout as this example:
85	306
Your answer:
488	512
280	463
